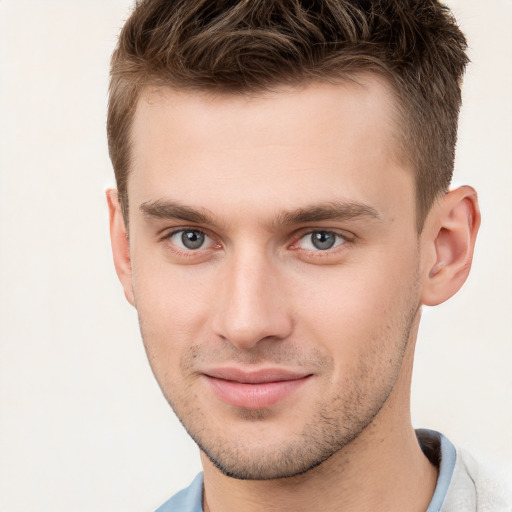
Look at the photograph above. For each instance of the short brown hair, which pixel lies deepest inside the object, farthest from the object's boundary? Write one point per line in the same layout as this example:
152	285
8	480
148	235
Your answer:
244	46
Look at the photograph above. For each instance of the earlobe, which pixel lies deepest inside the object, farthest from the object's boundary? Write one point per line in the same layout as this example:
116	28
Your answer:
449	240
120	244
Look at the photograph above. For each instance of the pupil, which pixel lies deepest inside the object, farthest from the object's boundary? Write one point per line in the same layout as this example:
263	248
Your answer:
322	240
192	239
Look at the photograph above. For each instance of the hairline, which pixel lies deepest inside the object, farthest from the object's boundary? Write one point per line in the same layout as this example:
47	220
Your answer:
400	119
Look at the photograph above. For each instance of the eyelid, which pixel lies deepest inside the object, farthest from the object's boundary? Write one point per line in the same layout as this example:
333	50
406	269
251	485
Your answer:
216	244
301	233
319	254
168	234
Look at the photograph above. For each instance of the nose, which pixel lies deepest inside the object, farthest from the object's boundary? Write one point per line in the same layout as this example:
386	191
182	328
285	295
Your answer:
251	306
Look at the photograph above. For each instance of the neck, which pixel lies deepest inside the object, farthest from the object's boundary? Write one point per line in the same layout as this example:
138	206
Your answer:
386	476
382	470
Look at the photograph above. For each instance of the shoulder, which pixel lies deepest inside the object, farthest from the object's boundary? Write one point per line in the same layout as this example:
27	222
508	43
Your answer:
476	487
187	500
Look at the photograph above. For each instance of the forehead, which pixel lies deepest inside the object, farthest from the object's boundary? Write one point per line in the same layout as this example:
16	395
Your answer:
318	142
366	102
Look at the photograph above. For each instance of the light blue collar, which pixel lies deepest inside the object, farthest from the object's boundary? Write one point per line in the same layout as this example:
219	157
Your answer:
187	500
191	498
446	467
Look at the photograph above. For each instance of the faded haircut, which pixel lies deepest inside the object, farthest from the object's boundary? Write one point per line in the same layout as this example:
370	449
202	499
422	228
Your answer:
251	46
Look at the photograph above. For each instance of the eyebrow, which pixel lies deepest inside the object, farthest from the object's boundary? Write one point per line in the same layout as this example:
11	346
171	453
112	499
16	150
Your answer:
334	210
164	209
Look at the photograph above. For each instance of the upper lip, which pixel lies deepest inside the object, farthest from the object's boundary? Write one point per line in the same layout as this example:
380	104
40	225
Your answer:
261	376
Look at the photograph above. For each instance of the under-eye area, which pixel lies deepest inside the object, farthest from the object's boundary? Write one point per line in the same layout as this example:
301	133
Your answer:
189	244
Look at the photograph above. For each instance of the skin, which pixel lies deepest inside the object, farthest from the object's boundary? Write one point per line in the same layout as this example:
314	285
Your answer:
257	176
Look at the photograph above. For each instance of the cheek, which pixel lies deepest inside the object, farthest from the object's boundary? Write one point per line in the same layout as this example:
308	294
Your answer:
166	292
172	304
358	309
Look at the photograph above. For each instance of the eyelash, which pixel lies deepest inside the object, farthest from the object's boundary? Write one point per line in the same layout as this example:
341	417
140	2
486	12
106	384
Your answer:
336	235
191	253
318	254
188	252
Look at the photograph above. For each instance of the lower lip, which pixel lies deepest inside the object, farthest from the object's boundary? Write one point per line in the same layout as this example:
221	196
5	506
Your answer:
255	396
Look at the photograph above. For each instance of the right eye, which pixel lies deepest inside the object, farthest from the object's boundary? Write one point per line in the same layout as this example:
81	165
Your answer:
321	240
190	239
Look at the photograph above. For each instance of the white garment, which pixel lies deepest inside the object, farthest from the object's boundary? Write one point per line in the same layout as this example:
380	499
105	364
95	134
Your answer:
475	488
463	485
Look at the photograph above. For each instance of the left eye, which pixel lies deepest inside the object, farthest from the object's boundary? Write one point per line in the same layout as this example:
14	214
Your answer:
321	240
189	239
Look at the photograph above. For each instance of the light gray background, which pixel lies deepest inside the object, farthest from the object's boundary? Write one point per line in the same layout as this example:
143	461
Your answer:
83	425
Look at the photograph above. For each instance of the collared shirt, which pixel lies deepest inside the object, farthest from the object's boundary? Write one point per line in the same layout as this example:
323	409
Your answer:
462	485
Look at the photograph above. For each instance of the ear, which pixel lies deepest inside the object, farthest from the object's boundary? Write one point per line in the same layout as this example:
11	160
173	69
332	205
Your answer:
120	244
448	241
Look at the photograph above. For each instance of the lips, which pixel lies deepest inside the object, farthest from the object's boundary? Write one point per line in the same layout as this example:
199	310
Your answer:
259	389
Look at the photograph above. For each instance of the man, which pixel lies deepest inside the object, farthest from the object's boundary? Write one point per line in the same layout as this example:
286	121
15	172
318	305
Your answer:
282	213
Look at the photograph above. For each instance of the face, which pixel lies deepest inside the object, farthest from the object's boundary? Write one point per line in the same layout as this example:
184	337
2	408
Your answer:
274	267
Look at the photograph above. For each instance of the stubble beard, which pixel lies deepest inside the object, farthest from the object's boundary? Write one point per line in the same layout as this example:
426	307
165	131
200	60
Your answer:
332	427
323	436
